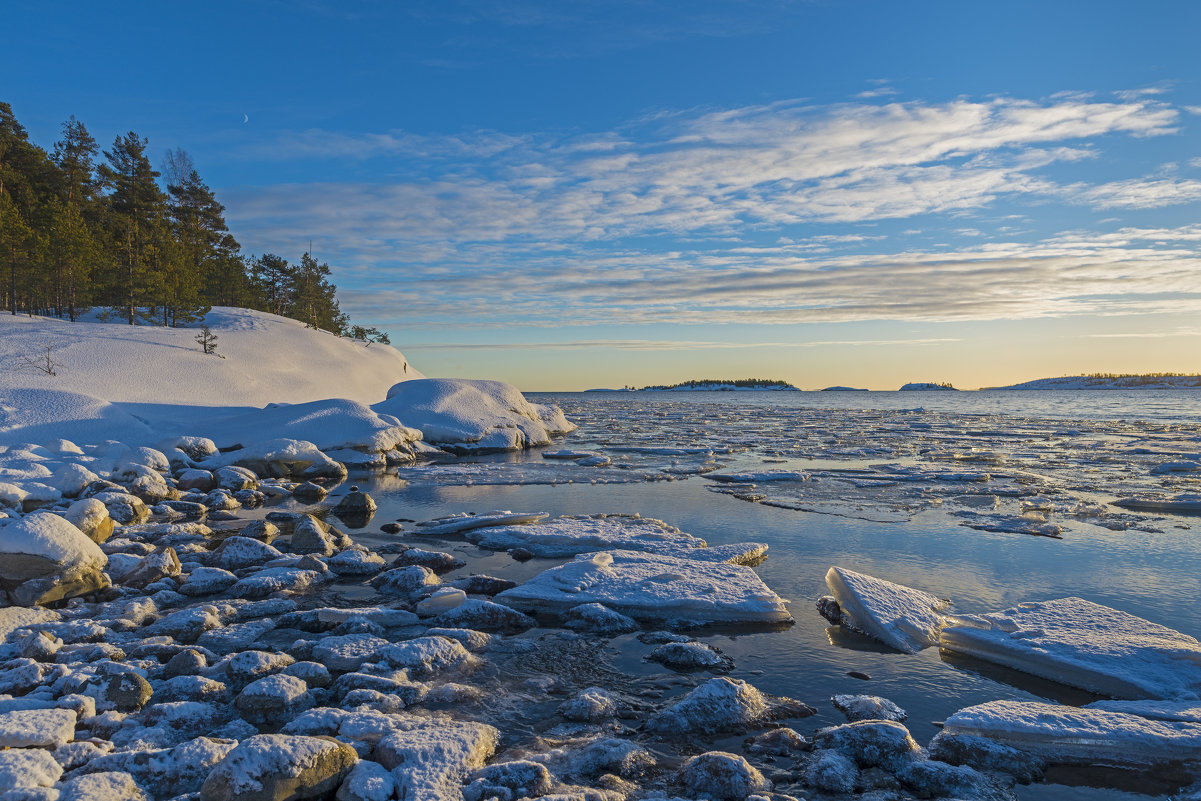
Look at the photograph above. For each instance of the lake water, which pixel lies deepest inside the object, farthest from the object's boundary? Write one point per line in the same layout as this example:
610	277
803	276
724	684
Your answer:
949	492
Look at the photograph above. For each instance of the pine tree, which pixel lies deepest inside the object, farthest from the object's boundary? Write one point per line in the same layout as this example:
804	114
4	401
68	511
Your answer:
138	210
313	302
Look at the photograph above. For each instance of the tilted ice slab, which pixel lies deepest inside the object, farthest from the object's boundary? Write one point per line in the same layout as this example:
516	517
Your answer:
465	521
473	415
1185	711
568	536
1083	644
898	616
1185	502
754	477
1072	734
653	587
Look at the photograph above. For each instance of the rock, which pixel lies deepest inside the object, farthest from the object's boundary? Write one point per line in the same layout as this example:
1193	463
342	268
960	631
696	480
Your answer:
245	667
36	728
44	558
477	584
195	479
92	518
721	775
518	779
778	742
273	699
405	581
720	704
832	772
483	616
353	562
436	561
592	705
161	564
308	492
598	618
27	767
207	581
310	535
119	689
427	656
279	767
436	756
238	552
235	478
263	530
104	786
189	510
868	707
930	779
355	508
367	781
689	656
347	652
185	663
391	528
871	743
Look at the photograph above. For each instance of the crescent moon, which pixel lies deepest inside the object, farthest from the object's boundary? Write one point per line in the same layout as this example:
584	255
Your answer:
245	119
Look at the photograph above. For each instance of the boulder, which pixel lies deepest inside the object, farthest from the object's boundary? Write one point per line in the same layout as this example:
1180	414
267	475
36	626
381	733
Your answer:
723	776
92	518
279	767
44	558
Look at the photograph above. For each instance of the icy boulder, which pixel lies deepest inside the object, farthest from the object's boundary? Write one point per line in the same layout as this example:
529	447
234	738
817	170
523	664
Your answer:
44	558
569	536
720	704
721	775
473	415
1066	734
1083	644
900	617
654	587
268	767
436	756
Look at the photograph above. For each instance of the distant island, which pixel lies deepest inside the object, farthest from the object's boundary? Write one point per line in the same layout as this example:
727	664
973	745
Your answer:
713	385
843	389
927	386
1113	381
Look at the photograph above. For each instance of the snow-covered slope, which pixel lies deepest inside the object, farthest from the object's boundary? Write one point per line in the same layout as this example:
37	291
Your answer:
1111	382
118	381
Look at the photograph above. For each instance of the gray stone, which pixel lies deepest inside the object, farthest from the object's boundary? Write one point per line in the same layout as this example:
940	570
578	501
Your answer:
279	767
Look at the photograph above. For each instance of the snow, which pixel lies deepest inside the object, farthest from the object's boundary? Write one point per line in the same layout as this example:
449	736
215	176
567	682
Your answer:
898	616
1072	734
112	372
1083	644
653	586
473	415
568	536
50	537
42	728
720	704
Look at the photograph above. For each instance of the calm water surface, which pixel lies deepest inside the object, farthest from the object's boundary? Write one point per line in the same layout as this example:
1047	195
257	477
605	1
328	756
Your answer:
1154	573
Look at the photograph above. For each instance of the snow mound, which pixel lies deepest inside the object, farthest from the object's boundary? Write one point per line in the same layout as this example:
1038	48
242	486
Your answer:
473	415
1074	735
126	382
1083	644
653	587
900	617
569	536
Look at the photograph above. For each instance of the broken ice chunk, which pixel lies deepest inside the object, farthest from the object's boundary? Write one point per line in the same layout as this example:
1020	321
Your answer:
901	617
1069	734
655	587
568	536
1083	644
465	521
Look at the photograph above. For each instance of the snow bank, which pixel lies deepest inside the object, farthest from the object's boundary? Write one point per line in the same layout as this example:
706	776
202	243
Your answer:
901	617
126	382
1083	644
473	415
653	587
1088	736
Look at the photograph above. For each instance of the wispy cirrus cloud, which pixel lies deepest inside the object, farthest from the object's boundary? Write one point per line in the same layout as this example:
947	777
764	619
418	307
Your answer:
669	345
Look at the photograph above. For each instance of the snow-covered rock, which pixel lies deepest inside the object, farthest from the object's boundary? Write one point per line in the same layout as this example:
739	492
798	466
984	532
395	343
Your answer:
721	704
1083	644
270	767
868	707
27	767
569	536
473	415
653	586
723	776
898	616
44	558
436	756
871	743
37	728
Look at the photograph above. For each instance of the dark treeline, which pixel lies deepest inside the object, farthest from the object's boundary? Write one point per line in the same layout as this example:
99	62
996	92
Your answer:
82	227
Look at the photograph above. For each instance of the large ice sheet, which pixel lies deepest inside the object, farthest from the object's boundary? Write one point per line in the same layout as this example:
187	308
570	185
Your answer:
568	536
653	587
1075	735
1083	644
898	616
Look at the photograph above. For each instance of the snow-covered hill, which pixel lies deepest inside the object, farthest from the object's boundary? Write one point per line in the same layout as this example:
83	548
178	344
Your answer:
1111	382
927	386
112	380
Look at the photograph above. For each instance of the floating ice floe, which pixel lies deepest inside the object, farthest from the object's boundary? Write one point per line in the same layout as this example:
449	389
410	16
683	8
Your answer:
465	521
756	477
898	616
568	536
1068	734
1184	503
653	587
1083	644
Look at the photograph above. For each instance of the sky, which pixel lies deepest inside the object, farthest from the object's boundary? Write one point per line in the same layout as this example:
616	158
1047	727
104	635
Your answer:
567	195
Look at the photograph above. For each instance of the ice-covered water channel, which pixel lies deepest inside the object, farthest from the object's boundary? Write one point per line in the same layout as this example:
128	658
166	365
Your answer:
988	499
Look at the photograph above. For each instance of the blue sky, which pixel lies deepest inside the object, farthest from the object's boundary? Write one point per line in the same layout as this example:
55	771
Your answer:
567	194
